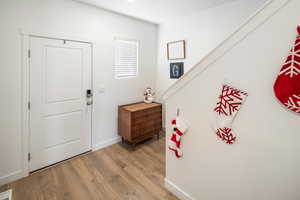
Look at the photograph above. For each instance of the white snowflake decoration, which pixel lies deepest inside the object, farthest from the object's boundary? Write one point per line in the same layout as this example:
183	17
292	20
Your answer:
292	69
294	103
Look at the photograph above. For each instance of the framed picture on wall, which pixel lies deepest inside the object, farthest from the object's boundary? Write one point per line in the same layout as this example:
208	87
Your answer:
176	70
176	50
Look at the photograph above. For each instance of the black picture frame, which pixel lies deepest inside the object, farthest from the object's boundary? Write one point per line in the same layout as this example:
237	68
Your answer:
176	70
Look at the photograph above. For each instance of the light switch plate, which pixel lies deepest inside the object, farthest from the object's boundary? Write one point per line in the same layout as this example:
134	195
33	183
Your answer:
101	89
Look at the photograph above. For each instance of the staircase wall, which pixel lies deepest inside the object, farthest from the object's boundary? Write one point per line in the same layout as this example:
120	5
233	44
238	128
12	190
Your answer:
264	162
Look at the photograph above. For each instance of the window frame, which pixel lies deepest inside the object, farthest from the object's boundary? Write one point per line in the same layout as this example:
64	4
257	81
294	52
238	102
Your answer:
137	42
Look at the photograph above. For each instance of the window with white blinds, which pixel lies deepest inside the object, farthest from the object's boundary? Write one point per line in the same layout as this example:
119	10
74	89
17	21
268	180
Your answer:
126	58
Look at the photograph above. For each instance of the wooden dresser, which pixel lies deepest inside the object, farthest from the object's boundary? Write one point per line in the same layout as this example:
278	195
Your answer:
139	121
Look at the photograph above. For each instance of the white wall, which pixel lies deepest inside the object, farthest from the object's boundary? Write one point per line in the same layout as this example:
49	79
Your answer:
71	20
264	162
203	31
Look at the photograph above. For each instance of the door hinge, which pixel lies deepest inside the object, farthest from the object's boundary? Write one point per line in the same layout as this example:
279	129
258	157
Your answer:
29	53
29	156
29	105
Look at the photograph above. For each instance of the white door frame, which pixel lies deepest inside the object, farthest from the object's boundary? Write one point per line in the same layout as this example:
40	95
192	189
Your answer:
25	86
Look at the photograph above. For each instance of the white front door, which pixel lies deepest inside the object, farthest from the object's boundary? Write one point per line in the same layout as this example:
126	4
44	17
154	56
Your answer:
60	117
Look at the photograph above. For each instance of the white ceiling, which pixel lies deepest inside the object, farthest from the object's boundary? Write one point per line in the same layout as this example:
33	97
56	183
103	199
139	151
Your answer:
156	11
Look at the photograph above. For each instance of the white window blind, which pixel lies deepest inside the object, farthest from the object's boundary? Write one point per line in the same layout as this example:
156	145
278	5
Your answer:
126	58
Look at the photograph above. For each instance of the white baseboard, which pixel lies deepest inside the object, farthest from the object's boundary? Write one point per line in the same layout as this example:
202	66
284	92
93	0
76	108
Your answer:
12	177
106	143
174	189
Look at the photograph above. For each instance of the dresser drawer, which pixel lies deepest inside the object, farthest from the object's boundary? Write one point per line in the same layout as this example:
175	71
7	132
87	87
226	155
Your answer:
149	125
143	113
141	131
146	118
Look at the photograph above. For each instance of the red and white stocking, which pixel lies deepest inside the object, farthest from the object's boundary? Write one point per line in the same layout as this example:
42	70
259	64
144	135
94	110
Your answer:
287	85
230	101
179	128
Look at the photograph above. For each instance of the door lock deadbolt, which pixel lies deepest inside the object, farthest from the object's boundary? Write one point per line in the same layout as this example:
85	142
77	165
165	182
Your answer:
89	95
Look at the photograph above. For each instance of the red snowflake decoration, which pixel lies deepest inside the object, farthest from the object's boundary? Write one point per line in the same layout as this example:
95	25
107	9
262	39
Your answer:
230	101
226	135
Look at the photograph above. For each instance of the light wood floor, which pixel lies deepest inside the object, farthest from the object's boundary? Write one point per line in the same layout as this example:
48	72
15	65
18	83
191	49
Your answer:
116	172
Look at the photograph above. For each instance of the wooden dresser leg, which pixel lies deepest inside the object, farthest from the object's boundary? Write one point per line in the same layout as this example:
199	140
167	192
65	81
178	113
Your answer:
123	140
